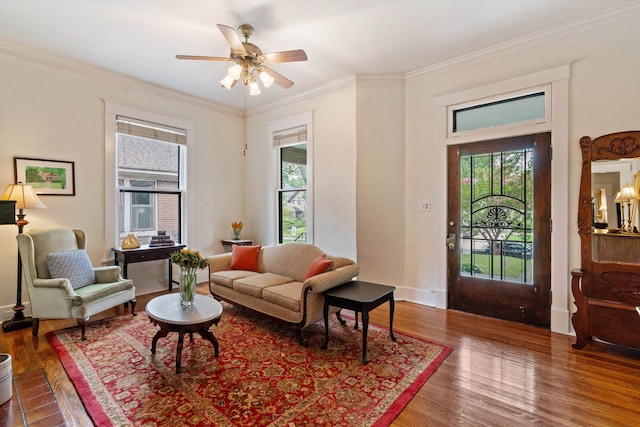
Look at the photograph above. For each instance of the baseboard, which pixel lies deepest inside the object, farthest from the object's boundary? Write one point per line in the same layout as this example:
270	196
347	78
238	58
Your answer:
416	296
7	311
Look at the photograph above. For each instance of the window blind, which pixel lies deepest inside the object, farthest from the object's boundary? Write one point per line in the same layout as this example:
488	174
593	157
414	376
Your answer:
149	130
290	136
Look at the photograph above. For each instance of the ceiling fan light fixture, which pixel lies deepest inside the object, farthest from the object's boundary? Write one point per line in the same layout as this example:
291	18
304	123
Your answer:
248	60
253	88
235	71
267	79
227	82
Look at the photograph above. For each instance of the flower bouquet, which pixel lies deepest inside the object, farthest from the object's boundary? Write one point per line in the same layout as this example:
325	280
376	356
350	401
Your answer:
237	228
189	262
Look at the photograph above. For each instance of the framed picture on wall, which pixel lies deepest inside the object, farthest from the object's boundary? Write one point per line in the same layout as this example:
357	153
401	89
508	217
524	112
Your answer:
47	177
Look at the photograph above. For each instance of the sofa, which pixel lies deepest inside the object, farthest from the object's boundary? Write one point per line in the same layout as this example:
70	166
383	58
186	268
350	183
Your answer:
283	281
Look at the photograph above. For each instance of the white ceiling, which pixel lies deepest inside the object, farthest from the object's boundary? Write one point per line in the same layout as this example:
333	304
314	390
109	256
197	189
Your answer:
140	38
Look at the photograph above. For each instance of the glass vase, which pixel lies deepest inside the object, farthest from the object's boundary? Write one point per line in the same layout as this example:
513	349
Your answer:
187	286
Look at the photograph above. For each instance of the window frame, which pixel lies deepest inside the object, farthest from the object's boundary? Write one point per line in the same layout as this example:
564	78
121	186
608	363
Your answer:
282	191
112	193
303	119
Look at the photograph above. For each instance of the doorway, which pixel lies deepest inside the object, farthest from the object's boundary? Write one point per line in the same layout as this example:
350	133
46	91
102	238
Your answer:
499	227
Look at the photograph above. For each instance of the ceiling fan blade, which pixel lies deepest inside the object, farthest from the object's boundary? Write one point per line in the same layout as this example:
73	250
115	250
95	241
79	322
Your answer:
232	37
286	56
203	58
279	79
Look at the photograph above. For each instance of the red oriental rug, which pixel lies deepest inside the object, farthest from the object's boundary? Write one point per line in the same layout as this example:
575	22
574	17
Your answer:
262	377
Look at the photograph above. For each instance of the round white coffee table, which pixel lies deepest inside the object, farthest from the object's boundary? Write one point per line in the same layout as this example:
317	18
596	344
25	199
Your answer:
165	311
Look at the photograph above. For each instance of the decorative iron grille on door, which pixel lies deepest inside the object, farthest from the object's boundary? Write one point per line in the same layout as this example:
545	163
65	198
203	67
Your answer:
496	212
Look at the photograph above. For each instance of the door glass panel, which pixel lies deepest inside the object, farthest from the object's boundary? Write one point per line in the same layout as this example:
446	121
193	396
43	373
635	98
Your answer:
496	211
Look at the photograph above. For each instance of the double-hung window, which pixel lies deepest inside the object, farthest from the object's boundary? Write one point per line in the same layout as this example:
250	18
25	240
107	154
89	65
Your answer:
150	165
293	219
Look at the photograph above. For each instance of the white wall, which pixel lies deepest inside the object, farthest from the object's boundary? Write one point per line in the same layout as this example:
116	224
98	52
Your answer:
604	88
57	113
380	178
48	113
334	171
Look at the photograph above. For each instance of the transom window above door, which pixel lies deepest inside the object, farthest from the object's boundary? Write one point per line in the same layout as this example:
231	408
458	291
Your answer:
515	109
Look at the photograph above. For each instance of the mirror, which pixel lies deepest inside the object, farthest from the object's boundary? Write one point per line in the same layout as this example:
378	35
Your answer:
614	216
608	178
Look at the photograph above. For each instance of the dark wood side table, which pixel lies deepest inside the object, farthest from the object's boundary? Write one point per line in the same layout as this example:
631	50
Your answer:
360	297
145	253
227	244
165	311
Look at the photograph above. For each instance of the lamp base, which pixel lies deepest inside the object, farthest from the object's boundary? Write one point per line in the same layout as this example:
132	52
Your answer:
19	321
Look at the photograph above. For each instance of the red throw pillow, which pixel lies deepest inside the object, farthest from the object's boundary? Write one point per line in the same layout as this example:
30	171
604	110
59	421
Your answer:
320	265
245	257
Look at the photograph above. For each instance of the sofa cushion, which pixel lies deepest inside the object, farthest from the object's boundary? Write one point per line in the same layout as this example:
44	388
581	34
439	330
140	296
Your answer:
245	257
73	265
320	265
288	295
226	278
254	285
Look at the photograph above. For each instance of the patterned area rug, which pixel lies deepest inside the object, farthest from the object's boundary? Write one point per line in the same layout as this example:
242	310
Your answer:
262	377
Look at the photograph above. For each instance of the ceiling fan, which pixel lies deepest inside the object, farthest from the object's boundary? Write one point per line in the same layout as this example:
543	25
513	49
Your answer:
250	62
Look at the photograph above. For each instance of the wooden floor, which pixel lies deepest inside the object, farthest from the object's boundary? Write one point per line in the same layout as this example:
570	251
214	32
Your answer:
499	374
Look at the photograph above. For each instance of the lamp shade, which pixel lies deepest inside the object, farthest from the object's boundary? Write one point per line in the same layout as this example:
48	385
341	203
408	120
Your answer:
626	194
23	195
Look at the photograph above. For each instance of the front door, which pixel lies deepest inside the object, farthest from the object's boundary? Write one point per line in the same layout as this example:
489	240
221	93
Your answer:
499	225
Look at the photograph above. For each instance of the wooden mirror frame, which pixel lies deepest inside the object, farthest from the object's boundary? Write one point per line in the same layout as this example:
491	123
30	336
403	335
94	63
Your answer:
606	293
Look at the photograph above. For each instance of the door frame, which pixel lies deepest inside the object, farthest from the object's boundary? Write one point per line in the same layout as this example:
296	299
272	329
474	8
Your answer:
529	304
557	77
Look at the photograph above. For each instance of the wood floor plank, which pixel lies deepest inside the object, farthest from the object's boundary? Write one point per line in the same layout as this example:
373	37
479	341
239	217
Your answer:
499	374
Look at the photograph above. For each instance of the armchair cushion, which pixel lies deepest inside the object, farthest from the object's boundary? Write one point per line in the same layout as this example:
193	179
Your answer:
73	265
97	291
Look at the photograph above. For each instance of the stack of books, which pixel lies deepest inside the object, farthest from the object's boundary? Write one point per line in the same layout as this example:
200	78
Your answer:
161	239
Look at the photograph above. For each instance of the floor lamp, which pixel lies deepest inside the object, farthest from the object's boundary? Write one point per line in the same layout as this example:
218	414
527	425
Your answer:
24	198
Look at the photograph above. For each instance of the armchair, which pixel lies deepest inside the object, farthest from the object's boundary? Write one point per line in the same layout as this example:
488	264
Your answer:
64	296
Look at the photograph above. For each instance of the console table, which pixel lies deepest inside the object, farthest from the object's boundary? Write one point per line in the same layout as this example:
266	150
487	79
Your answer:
227	244
145	253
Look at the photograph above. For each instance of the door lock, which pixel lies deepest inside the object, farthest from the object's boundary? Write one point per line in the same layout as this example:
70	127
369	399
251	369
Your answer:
451	242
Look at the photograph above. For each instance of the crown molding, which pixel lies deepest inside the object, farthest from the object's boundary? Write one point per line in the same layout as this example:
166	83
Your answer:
380	80
47	60
331	86
572	29
352	80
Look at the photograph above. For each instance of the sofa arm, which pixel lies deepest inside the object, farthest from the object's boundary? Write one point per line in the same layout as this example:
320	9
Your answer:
333	278
221	262
108	274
